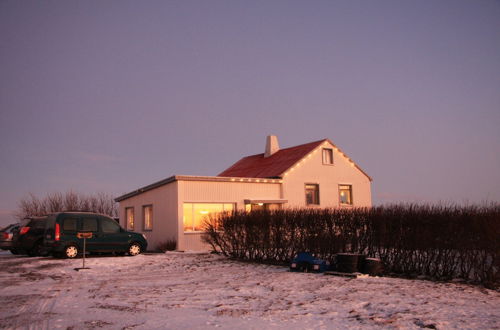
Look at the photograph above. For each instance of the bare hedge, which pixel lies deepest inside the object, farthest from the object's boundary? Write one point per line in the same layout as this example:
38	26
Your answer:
100	202
441	242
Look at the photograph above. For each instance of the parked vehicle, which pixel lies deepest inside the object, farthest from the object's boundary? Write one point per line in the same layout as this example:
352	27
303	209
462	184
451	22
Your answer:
6	236
307	262
28	238
61	235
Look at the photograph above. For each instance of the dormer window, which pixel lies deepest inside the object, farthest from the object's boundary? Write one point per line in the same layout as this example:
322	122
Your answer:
328	156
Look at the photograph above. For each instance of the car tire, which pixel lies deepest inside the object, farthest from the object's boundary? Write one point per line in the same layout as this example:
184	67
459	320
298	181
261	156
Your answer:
134	249
71	251
14	251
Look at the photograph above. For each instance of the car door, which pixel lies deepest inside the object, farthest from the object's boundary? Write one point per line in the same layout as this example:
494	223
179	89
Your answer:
113	236
90	223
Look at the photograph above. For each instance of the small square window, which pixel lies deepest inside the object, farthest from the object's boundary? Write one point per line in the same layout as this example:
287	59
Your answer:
129	216
147	213
345	194
328	156
312	194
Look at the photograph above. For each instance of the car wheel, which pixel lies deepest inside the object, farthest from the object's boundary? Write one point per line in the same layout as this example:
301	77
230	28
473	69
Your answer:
14	251
134	249
71	251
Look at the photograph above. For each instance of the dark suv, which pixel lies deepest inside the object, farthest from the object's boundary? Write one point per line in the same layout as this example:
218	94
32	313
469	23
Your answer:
62	235
28	239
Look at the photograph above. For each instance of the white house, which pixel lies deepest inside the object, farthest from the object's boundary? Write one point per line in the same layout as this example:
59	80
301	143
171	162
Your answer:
316	174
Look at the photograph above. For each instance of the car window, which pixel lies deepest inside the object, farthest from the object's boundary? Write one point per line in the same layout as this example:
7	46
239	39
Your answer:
69	224
38	224
109	226
12	228
89	224
24	222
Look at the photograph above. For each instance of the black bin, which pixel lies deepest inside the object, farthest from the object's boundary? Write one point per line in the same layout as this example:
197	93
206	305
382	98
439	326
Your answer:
347	262
372	266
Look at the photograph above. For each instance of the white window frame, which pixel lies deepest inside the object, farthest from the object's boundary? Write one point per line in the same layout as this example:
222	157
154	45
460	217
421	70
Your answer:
328	151
130	227
350	192
144	208
317	193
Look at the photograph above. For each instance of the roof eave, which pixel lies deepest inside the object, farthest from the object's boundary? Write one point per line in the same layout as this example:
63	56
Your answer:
146	188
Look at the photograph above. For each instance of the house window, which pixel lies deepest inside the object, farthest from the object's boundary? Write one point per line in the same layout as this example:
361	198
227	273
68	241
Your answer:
147	213
195	214
328	156
345	194
262	207
129	216
312	194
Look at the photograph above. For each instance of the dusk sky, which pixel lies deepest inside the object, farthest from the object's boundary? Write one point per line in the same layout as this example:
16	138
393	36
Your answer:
109	96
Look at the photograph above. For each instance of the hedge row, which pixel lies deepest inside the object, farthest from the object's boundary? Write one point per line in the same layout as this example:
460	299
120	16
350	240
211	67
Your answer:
442	242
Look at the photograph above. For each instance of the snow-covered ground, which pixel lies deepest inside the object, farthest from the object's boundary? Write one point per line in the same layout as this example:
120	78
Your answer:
197	291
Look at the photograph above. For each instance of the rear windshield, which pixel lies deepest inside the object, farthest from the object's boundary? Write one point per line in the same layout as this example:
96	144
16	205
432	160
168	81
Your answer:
38	223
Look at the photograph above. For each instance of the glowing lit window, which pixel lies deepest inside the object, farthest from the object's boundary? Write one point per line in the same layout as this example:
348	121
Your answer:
147	212
328	156
312	194
129	215
345	194
262	207
195	214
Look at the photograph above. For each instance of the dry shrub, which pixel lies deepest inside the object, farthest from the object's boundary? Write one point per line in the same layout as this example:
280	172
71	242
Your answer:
168	245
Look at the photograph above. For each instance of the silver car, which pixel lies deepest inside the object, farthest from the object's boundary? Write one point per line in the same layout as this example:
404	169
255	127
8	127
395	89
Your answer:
6	236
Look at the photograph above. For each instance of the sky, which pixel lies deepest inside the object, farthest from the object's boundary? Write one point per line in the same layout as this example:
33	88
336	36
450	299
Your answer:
110	96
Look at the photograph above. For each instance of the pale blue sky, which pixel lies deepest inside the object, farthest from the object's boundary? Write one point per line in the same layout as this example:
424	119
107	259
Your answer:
113	95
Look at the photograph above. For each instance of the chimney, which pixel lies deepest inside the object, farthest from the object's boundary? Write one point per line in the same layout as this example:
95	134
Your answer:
272	145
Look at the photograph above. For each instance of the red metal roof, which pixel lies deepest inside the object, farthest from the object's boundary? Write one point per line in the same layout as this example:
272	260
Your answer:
258	166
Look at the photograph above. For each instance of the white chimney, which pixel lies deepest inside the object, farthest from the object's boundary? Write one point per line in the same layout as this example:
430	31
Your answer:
272	145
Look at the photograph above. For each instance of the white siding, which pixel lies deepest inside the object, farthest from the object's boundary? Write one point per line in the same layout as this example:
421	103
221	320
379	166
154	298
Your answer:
193	242
218	192
227	192
312	170
164	200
